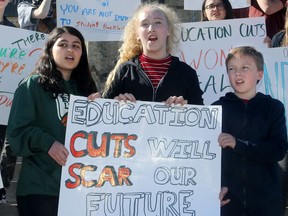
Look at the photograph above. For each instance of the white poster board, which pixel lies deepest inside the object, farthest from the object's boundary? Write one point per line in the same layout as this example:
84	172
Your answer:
205	45
197	4
98	20
275	79
142	158
19	51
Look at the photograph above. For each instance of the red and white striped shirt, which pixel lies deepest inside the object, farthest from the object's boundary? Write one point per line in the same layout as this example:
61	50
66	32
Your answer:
155	68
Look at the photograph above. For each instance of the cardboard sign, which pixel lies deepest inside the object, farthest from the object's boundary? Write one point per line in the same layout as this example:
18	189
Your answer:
141	159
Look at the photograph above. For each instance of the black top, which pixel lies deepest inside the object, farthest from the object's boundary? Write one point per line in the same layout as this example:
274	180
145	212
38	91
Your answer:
250	170
278	38
180	80
6	22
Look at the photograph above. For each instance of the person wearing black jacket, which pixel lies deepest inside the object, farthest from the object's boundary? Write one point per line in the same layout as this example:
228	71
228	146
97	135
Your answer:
180	79
146	70
253	140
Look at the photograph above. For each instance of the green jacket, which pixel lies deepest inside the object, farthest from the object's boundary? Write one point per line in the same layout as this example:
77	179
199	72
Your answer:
36	120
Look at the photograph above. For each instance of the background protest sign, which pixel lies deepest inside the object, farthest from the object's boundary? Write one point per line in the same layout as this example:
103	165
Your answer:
275	79
205	45
141	158
19	51
197	5
98	20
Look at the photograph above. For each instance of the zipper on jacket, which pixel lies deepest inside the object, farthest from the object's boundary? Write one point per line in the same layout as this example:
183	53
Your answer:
154	89
151	84
147	78
244	160
159	84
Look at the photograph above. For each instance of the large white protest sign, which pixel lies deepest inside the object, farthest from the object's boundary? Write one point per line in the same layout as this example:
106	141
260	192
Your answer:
197	4
141	158
205	45
275	80
19	51
98	20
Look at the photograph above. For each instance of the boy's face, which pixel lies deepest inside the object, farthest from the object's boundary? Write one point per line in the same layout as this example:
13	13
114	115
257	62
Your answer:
243	76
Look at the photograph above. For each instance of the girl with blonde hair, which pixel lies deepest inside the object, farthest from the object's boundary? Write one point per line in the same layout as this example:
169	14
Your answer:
146	70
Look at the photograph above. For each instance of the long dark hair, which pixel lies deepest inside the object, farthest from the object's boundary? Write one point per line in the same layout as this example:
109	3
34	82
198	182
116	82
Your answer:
227	6
51	79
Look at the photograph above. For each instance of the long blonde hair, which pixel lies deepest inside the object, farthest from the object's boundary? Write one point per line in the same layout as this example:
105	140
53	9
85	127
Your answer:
132	47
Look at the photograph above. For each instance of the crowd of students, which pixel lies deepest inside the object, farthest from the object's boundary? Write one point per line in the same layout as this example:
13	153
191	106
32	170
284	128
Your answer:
146	70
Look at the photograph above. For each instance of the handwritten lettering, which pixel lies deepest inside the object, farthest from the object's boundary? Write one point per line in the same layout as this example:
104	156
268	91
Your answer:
87	24
285	52
209	58
12	67
121	18
252	30
33	38
105	13
205	33
91	113
165	203
112	27
4	100
88	11
180	149
68	8
175	176
12	53
279	91
108	174
102	150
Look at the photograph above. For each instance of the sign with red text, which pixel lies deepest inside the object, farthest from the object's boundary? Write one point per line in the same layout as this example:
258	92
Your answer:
141	159
197	4
205	45
98	20
19	51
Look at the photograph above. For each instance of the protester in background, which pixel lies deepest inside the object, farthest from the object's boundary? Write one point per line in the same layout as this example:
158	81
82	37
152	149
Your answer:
241	12
281	38
6	22
273	11
252	147
3	18
221	10
216	10
146	70
37	121
40	15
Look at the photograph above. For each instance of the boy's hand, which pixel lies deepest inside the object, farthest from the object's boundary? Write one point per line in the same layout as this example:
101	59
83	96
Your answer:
226	140
223	192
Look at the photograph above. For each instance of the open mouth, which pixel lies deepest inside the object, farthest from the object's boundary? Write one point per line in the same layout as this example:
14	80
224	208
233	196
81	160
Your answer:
152	38
238	82
70	58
